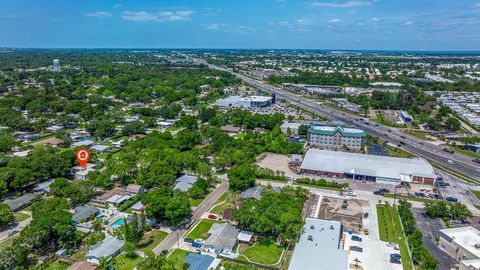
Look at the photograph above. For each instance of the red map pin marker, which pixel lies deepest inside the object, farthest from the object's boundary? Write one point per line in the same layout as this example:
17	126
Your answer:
82	156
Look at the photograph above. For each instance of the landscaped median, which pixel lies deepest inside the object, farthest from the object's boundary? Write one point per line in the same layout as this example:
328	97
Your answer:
390	230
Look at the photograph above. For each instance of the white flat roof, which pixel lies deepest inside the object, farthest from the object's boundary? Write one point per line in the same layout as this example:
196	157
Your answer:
370	165
319	247
466	237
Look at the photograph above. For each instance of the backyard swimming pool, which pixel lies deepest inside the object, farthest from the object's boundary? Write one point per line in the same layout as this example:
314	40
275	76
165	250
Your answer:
119	222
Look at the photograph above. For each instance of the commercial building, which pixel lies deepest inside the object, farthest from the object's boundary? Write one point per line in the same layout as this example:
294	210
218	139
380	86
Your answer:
293	127
406	117
319	247
473	147
462	244
387	170
250	101
108	248
330	137
469	264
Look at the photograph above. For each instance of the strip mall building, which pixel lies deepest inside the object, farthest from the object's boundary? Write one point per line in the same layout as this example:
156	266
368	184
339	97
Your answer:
381	169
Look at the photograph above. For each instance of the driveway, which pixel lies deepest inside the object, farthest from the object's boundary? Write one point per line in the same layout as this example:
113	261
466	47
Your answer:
430	228
176	237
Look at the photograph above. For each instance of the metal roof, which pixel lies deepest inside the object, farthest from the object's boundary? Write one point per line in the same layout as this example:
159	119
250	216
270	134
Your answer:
330	131
376	166
198	262
319	247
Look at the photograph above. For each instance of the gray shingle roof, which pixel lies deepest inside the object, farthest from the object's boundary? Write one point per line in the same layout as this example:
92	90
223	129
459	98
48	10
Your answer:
252	193
185	182
222	236
198	262
83	213
107	248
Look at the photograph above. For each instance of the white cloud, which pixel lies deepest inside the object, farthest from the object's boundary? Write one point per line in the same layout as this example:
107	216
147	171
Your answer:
304	22
408	23
346	4
334	21
99	14
144	16
229	27
118	5
373	19
477	5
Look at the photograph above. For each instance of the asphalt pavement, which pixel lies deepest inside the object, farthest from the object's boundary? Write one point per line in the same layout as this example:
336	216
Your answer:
173	238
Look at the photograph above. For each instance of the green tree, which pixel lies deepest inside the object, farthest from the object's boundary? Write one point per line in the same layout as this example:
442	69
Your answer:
241	177
6	216
136	127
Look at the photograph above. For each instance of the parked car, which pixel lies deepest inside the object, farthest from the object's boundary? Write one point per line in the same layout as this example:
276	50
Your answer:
395	256
357	249
352	194
451	199
396	261
164	252
188	240
212	216
196	245
356	238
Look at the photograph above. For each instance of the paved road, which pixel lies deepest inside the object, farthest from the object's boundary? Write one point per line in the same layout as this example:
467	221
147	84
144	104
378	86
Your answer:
171	240
455	162
431	228
20	226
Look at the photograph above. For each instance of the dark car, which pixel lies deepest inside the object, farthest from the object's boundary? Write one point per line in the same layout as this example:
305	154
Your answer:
395	261
164	252
356	238
395	256
188	240
355	248
451	199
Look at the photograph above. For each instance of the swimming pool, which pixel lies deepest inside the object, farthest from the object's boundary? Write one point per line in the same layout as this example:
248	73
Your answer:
119	222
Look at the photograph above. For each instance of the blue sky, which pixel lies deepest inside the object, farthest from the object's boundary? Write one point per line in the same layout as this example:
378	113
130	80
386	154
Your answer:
310	24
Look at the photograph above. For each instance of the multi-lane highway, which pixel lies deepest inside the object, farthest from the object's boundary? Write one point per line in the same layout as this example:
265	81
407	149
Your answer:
455	162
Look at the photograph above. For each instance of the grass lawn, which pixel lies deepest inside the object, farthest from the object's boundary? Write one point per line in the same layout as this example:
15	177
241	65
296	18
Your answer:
237	266
409	198
402	244
178	258
420	135
201	229
466	152
224	202
399	152
7	243
262	254
151	239
476	193
385	224
57	266
122	262
19	217
196	202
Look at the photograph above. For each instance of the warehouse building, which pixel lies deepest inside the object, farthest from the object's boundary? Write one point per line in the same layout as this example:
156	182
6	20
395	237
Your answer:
387	170
250	101
319	247
462	244
330	137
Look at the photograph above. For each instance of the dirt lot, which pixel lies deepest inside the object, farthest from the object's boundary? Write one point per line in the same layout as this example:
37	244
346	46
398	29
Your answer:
276	162
391	116
351	218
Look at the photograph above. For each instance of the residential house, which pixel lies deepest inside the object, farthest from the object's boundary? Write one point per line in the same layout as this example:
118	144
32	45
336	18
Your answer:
252	193
222	238
198	261
184	182
135	189
20	202
83	213
108	248
81	173
100	148
43	188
